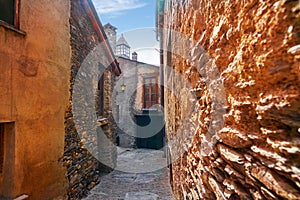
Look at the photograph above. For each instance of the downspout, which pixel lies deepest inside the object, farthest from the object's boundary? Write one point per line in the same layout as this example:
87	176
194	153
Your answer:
92	14
159	37
160	11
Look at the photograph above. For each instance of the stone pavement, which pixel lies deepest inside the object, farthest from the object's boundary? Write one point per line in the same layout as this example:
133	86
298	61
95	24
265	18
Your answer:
141	174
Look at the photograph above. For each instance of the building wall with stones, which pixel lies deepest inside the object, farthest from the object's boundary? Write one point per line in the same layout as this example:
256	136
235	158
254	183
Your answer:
232	98
125	102
111	33
35	66
130	101
90	142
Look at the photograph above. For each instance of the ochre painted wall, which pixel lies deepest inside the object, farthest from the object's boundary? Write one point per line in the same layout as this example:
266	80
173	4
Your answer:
34	93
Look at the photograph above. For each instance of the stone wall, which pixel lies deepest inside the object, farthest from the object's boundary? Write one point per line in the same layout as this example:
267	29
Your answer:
111	33
107	148
130	102
240	59
125	102
86	139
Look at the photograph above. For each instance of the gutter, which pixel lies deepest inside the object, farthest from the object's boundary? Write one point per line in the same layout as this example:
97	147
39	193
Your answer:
92	14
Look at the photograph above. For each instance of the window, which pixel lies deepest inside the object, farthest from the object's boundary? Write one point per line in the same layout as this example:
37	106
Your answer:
118	113
123	50
9	12
100	97
150	92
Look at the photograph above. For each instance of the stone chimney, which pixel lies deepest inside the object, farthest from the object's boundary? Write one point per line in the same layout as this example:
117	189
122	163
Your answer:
134	56
111	34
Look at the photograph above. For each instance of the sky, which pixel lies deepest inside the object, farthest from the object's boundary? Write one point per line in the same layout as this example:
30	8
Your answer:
136	20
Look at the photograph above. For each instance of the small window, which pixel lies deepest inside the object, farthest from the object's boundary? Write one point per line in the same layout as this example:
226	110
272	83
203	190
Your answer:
118	113
100	102
150	92
9	12
123	50
1	147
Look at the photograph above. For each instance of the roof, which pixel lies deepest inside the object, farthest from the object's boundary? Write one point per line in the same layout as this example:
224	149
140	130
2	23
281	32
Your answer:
138	62
123	41
92	14
109	26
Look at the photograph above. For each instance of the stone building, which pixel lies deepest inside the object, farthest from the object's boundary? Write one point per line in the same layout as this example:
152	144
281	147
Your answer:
232	103
44	152
131	96
136	89
90	142
110	31
34	83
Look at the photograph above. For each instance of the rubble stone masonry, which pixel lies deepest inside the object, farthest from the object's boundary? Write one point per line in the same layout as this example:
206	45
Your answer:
85	145
241	61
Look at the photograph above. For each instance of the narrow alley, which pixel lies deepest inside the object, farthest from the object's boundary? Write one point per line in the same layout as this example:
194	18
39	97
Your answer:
140	174
150	100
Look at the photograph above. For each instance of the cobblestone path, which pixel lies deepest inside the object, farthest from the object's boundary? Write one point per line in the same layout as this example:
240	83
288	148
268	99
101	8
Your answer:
141	174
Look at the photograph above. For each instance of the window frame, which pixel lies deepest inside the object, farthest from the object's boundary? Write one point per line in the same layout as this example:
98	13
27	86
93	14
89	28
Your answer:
16	26
100	110
123	50
149	96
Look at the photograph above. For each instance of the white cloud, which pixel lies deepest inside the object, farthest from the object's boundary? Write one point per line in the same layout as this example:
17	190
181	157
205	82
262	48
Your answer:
150	56
116	6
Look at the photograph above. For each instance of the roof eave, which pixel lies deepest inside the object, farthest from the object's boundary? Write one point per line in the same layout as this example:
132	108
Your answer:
92	14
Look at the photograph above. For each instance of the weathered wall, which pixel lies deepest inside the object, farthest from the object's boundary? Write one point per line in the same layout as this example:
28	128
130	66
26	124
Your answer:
125	102
85	140
252	49
111	35
33	96
131	100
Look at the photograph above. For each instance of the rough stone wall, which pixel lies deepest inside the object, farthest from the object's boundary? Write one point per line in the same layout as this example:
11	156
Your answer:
130	101
125	101
107	148
85	141
35	68
241	61
111	35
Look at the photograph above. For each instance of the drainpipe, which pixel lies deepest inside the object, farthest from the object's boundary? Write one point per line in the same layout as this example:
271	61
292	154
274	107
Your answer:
92	14
162	89
159	37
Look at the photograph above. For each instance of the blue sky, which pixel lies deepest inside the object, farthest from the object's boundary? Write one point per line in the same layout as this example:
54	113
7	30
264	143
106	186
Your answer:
126	14
136	19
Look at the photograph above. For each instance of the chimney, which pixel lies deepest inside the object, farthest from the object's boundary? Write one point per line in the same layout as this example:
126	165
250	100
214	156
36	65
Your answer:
111	34
134	56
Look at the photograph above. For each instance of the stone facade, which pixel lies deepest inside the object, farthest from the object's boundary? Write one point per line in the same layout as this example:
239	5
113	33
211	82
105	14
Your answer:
130	101
111	33
90	142
35	68
238	75
125	102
